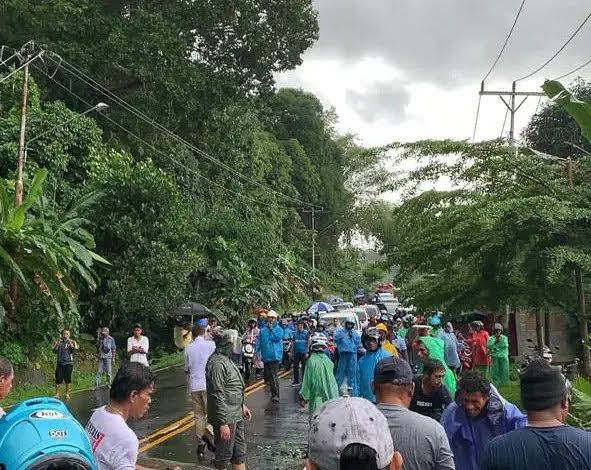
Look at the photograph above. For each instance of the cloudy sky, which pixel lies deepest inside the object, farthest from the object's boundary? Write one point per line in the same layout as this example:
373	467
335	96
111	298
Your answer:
411	69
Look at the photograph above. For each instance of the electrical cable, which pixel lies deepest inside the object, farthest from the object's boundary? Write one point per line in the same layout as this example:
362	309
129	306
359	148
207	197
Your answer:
572	36
65	65
476	119
167	156
575	70
28	62
504	123
506	41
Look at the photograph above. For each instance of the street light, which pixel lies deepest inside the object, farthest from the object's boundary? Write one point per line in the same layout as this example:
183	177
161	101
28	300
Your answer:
97	107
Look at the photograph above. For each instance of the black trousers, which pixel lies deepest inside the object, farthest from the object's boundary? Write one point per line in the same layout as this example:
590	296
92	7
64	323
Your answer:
298	358
271	371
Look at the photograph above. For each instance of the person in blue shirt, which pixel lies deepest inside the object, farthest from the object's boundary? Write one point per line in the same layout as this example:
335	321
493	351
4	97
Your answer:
347	341
287	344
270	346
300	351
375	353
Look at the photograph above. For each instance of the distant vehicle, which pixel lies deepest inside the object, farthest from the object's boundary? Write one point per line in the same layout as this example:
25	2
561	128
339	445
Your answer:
340	306
386	297
361	313
341	315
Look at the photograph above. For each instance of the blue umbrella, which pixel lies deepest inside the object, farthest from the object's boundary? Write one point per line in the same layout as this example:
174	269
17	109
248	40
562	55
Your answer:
320	307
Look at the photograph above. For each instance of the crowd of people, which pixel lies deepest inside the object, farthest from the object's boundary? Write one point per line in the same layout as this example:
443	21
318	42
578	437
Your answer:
394	395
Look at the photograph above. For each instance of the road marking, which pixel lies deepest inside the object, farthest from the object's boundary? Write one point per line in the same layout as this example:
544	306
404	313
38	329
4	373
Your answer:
185	423
180	422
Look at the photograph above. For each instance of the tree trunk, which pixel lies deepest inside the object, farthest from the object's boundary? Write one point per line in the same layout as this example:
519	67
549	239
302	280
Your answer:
547	327
583	330
539	332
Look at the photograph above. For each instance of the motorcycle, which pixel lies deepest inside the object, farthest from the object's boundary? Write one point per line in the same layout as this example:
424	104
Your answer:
247	359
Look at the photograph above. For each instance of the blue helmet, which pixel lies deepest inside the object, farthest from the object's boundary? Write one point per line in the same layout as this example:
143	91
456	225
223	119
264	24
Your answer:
41	433
435	320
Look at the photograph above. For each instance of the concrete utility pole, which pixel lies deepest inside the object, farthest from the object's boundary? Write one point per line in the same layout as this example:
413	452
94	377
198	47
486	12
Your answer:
312	210
511	105
22	146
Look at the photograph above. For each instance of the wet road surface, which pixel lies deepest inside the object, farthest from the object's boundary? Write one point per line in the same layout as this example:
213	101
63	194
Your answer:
276	435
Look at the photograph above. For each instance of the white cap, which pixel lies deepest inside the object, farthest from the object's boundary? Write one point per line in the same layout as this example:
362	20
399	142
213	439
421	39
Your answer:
272	314
343	421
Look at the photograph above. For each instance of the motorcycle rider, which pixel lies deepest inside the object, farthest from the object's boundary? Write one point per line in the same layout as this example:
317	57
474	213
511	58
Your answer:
319	383
300	340
374	354
347	341
250	359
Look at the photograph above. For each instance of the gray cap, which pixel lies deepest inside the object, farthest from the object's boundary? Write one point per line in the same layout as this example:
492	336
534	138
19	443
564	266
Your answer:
343	421
393	370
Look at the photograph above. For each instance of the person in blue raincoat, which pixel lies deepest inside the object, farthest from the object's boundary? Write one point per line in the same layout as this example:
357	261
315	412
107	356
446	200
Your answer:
478	415
347	341
375	353
270	346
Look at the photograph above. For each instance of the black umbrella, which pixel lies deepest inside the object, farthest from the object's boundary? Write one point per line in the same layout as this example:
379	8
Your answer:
193	309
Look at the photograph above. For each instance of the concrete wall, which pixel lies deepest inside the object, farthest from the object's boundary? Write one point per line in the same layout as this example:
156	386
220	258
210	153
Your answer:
562	344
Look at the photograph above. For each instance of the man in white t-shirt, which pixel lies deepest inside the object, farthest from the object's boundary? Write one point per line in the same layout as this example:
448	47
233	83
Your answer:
196	356
138	346
114	444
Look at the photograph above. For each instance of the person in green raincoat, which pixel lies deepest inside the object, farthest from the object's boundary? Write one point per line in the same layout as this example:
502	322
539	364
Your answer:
434	348
498	348
319	383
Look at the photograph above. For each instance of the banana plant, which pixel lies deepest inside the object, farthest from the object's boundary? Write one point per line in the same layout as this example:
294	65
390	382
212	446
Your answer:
48	254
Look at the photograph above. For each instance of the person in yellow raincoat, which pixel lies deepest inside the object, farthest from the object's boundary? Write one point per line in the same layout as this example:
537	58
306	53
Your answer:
386	343
319	383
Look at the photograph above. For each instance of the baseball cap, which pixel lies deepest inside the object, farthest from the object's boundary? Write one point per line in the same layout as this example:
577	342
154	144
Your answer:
343	421
393	370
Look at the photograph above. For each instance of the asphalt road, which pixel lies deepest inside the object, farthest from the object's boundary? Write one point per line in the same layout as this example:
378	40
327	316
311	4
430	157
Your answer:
275	437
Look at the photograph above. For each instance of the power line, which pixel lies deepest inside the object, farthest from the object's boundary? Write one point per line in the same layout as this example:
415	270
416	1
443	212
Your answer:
476	119
506	41
28	62
575	70
572	36
65	65
504	122
166	155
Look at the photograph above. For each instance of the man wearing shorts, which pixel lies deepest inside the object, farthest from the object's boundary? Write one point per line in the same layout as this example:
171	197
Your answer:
225	404
64	349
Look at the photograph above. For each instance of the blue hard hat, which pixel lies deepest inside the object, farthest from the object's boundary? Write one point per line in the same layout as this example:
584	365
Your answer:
41	433
435	320
202	323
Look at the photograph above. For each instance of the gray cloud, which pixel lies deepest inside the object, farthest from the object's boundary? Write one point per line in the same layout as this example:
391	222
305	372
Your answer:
453	41
382	100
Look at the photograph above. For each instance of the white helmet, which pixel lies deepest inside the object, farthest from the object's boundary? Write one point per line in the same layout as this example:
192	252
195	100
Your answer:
350	320
272	314
318	342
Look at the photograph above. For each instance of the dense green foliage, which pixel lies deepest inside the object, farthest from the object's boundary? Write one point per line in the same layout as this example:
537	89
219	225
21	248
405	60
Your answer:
215	213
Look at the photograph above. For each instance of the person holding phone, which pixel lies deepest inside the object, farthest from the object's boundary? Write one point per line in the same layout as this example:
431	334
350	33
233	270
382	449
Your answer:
64	349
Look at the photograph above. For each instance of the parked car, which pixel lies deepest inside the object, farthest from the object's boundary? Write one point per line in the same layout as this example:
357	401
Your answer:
329	317
340	306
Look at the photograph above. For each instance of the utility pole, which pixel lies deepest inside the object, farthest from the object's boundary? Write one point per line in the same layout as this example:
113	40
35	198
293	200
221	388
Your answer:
312	210
583	330
22	146
511	105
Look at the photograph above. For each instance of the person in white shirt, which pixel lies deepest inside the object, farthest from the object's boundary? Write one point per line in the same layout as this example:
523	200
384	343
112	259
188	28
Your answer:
114	445
138	346
196	355
6	378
